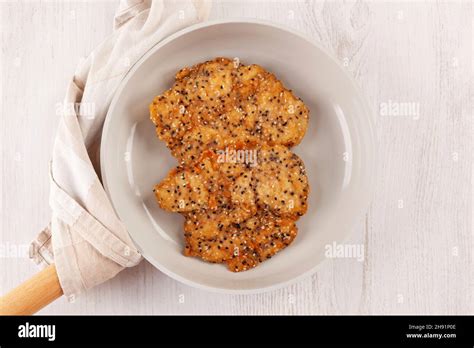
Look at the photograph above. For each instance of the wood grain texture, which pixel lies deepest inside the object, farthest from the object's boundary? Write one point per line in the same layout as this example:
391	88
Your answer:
417	234
33	294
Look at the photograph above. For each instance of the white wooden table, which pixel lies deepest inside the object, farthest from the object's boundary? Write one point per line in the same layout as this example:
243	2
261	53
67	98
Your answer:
414	62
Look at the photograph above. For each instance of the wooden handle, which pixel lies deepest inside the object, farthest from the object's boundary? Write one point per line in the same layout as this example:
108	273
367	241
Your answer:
35	293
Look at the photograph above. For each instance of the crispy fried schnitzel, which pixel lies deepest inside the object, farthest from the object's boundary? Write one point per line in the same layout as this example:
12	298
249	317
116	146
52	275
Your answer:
238	185
218	103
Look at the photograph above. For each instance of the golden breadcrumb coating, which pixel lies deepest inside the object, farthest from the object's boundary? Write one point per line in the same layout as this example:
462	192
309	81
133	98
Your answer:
218	103
238	185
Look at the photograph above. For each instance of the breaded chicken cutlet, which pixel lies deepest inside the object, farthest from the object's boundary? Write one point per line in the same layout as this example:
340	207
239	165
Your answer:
239	210
219	103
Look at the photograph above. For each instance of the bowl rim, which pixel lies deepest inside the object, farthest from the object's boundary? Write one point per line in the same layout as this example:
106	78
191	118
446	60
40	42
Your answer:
251	21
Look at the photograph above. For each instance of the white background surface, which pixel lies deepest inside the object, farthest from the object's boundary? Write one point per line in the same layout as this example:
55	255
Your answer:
417	236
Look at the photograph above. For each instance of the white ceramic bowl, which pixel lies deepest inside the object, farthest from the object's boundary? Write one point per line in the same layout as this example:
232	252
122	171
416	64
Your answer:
338	150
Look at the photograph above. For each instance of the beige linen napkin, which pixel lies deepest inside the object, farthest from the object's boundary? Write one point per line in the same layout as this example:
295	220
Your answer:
85	239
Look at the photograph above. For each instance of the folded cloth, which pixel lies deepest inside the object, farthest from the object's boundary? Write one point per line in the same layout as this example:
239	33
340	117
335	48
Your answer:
85	239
